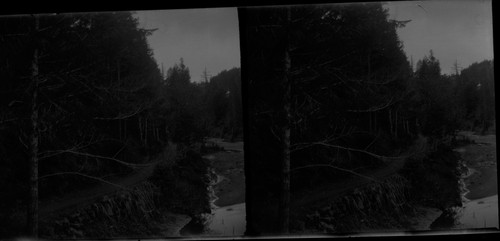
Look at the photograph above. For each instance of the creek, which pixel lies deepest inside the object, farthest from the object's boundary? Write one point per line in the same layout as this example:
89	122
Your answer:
474	212
222	221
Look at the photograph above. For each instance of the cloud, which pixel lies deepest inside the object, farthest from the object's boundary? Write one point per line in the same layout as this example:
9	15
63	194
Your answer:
203	37
454	30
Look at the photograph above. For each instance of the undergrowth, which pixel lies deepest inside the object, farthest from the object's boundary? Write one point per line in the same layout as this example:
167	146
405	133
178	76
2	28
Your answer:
178	186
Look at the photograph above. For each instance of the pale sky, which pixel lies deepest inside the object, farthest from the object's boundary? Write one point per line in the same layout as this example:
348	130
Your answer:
204	38
454	30
208	38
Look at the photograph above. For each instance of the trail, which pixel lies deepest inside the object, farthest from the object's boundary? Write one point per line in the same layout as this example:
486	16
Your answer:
79	198
302	201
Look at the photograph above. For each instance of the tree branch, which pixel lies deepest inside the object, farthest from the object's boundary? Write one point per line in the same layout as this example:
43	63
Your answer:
87	176
337	168
122	116
307	145
8	120
72	151
376	108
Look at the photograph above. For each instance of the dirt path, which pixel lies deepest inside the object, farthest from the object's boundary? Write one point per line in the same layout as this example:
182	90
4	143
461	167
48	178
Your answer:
78	198
321	195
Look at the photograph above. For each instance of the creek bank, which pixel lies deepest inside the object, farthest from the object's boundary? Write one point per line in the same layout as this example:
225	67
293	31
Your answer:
408	200
479	207
226	192
127	213
373	206
157	207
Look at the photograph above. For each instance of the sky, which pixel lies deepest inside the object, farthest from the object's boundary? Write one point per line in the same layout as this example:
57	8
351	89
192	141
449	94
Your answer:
204	38
459	31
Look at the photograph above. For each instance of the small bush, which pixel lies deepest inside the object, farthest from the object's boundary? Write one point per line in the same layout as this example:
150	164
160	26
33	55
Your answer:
183	186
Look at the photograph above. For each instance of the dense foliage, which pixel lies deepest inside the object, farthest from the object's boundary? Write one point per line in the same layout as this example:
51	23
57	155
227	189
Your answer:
476	96
87	91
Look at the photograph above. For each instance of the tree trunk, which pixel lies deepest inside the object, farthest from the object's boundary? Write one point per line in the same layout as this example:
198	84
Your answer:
390	122
33	147
125	129
407	127
120	129
396	124
118	71
284	209
370	122
146	132
140	128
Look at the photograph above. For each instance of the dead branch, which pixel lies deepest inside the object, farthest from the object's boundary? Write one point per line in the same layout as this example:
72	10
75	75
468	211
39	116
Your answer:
73	151
371	143
87	176
375	108
337	168
121	116
8	120
321	143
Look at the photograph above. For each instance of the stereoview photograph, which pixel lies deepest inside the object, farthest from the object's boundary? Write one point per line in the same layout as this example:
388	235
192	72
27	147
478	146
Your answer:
284	121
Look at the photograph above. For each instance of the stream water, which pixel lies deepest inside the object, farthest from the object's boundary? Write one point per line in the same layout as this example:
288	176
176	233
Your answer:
222	221
479	213
228	221
474	213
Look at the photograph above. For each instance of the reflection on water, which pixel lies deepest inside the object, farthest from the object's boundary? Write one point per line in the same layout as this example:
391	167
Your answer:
477	213
224	221
228	221
480	213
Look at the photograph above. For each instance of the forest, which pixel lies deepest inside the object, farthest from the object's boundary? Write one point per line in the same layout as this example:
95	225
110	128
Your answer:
83	102
333	103
342	131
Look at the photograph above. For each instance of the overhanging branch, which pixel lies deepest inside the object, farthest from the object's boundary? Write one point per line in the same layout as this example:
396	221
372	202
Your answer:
337	168
375	108
307	145
122	116
87	176
72	151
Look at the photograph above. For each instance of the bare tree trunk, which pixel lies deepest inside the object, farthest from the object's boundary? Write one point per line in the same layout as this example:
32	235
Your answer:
396	124
146	132
284	209
390	121
140	128
33	147
118	71
417	126
407	127
370	122
153	130
166	131
120	129
125	129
